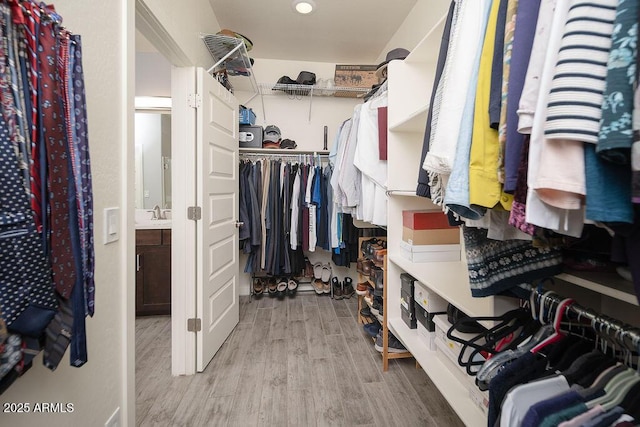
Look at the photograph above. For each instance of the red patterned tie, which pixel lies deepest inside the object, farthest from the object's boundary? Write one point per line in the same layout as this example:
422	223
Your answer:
53	126
31	23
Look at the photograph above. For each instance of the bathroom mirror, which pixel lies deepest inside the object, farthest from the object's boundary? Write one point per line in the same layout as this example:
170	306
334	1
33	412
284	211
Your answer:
153	152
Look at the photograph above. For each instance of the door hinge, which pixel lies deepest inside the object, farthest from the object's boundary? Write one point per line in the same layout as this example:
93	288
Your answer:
194	100
194	325
194	213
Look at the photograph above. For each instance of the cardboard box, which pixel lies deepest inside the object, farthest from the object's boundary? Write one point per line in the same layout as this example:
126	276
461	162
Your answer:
443	236
430	253
425	220
428	300
250	136
360	76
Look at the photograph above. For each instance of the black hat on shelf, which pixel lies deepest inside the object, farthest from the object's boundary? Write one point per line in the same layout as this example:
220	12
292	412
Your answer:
394	54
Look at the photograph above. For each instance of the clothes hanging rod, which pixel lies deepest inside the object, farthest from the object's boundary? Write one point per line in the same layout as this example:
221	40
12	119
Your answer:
276	151
281	154
626	335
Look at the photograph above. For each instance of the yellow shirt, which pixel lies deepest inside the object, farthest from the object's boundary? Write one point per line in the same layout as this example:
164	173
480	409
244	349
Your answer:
484	187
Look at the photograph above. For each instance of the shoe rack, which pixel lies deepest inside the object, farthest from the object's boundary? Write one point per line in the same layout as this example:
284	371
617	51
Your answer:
362	302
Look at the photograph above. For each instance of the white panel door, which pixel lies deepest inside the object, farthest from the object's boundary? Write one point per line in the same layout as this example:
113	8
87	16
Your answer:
217	235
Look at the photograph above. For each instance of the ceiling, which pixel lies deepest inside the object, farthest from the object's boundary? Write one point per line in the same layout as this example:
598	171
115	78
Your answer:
338	31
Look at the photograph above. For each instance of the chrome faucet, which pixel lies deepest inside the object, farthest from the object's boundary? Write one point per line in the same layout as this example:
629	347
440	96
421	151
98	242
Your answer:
157	213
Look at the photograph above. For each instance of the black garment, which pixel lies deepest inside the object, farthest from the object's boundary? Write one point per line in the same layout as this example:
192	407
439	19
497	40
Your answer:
423	188
286	220
495	92
243	233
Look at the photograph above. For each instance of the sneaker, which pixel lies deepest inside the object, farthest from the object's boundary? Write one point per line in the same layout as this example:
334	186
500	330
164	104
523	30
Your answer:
395	346
366	312
347	290
372	329
362	288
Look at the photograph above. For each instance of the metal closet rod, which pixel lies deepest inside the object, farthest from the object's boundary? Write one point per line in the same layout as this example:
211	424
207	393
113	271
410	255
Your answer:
614	330
300	157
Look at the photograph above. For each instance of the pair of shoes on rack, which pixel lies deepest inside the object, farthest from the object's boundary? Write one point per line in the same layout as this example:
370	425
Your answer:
362	288
363	266
377	306
373	329
394	344
287	287
366	313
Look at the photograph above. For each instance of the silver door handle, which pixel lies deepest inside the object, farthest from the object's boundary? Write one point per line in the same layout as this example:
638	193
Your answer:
239	224
137	262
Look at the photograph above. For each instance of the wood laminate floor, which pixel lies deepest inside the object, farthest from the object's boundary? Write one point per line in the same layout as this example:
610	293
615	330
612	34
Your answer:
300	361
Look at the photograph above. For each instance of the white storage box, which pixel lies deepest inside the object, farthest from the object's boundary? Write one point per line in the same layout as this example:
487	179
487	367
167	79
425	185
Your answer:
430	253
429	300
453	348
429	338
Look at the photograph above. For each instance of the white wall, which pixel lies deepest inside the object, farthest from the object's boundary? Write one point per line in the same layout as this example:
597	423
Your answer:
183	21
420	20
153	75
106	381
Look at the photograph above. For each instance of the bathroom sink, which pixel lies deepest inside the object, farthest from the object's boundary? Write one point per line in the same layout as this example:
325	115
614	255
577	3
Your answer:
153	224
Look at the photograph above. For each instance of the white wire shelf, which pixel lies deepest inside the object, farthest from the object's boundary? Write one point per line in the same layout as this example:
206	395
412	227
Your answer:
299	91
230	54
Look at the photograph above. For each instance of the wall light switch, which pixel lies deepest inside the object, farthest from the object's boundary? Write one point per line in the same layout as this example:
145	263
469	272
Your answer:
111	225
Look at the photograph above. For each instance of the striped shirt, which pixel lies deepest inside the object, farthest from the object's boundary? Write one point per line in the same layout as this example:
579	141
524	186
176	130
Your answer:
575	101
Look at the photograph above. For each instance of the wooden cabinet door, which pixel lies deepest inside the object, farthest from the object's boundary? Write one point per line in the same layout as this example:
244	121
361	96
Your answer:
153	280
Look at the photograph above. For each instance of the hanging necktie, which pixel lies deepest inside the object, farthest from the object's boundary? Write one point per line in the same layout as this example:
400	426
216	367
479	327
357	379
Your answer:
55	141
84	183
78	343
31	28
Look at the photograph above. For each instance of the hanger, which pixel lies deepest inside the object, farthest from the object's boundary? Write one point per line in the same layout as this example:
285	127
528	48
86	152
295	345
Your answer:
557	335
509	323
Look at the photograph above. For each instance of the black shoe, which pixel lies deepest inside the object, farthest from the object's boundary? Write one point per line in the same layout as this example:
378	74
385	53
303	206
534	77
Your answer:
337	288
366	312
347	290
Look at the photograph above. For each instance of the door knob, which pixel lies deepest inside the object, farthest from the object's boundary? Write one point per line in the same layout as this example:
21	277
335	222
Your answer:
239	224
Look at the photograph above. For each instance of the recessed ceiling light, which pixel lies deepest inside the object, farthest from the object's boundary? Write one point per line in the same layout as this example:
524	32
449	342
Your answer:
304	6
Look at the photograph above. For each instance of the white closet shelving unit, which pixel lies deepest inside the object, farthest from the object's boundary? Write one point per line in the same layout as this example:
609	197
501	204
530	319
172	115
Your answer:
410	86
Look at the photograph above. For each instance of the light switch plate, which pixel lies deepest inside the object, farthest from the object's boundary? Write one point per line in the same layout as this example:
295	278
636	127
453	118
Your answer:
111	225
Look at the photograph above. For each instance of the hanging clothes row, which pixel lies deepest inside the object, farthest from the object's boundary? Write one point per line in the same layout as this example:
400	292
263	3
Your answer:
286	207
358	154
532	120
46	217
555	362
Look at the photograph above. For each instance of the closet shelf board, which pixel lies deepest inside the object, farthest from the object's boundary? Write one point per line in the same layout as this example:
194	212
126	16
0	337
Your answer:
450	280
414	122
428	48
609	284
447	383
